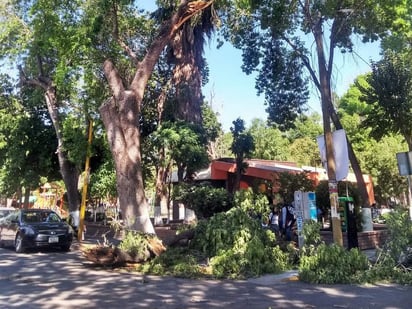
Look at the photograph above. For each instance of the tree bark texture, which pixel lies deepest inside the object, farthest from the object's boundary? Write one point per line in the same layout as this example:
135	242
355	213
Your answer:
68	170
121	114
120	120
187	77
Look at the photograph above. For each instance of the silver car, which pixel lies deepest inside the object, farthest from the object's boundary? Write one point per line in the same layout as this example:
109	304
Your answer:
4	211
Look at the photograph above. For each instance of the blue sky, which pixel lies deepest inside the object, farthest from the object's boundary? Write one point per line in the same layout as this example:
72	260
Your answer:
233	92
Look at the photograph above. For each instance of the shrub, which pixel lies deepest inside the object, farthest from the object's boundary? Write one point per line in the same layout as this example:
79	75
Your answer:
179	262
394	260
205	201
238	246
333	264
135	243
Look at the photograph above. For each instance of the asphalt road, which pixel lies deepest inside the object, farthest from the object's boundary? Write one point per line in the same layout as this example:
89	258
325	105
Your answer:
51	279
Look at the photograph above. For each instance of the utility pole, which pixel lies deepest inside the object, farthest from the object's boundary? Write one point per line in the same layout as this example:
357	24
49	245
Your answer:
326	97
85	183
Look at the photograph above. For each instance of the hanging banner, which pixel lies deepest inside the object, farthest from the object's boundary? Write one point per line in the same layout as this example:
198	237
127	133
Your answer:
340	153
404	163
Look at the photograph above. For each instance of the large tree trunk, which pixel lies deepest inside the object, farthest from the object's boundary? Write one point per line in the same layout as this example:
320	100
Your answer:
68	170
120	120
187	77
328	108
326	97
121	114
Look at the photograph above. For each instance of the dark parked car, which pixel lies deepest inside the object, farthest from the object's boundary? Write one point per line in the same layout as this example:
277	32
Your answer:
35	228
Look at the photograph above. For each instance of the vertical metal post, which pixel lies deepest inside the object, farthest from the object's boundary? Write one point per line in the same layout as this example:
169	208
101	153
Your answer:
410	196
85	183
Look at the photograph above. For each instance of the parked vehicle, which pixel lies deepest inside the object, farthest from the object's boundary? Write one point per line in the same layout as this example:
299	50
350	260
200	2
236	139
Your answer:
35	228
4	211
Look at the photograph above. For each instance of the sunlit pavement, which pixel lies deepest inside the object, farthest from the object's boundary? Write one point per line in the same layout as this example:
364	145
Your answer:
66	280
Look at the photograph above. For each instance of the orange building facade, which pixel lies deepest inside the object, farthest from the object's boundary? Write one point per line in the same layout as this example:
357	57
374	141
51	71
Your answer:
224	170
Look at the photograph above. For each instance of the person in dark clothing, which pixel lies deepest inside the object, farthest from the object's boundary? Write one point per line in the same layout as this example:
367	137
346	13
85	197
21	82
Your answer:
288	220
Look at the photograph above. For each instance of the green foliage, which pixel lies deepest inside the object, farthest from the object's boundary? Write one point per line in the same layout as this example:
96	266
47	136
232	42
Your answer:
255	204
103	181
75	139
389	94
243	143
383	167
25	137
311	233
373	155
287	92
222	146
238	246
306	126
210	123
205	201
269	142
394	260
400	232
135	243
242	147
289	183
304	151
333	264
184	146
179	262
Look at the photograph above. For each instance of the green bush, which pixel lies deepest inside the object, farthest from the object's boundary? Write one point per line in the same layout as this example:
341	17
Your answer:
333	264
205	201
238	246
179	262
135	243
394	260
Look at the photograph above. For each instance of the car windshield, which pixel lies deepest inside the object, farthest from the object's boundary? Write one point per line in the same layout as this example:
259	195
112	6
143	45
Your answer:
5	212
38	217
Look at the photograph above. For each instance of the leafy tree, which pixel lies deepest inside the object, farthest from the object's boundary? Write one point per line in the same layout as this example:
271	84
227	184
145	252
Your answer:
122	111
24	139
222	146
268	141
184	147
287	92
242	146
303	147
212	128
205	201
281	25
304	151
376	157
42	39
390	96
290	182
381	163
309	126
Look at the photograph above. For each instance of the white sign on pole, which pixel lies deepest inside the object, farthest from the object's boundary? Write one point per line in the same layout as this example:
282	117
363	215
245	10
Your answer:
340	153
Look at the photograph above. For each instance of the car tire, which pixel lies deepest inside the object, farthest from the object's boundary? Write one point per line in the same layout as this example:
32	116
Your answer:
18	244
66	248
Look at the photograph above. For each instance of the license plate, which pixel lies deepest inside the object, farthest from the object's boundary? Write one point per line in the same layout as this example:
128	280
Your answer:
53	239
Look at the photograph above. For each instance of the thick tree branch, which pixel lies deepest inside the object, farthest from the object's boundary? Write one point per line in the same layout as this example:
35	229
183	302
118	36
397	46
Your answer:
185	11
305	61
114	79
116	36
